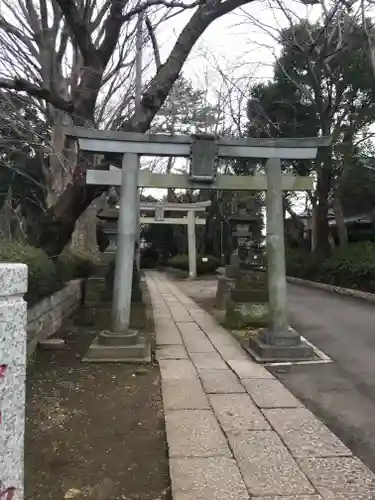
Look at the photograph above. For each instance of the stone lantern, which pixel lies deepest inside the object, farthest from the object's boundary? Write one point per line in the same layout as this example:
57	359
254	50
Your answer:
109	221
247	303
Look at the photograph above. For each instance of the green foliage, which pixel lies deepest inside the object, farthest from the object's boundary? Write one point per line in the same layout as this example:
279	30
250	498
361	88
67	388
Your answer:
300	263
186	110
352	266
46	276
182	262
149	258
358	183
43	278
76	264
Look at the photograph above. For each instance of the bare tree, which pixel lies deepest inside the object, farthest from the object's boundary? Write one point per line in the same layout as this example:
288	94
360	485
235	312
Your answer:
63	53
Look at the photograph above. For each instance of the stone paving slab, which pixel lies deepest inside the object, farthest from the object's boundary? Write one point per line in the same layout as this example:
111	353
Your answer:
237	412
167	334
220	382
184	394
293	497
194	338
208	361
215	478
245	368
177	369
230	352
171	352
340	478
304	434
180	314
195	433
270	394
267	466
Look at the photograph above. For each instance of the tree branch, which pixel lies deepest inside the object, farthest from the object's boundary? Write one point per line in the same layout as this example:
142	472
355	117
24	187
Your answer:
154	42
160	86
79	30
112	28
19	85
150	3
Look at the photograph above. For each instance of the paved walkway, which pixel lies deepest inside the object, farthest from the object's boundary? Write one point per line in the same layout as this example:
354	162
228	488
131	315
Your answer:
233	430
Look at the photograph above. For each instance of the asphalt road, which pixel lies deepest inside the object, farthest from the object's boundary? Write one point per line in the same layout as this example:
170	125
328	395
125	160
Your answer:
341	393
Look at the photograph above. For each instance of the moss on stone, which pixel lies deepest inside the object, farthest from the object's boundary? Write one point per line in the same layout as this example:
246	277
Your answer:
240	315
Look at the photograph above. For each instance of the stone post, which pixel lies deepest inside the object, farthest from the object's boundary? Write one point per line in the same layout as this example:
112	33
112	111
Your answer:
127	234
276	249
123	344
13	321
192	245
278	341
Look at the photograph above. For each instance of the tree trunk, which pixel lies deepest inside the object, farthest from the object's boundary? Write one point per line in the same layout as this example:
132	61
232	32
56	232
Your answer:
340	222
84	235
323	246
6	218
297	222
313	229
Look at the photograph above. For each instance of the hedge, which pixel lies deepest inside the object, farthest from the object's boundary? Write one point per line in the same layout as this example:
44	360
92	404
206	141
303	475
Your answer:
352	266
46	275
76	264
204	266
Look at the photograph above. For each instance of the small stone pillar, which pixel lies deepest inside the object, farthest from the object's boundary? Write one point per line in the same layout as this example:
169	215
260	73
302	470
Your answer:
278	342
13	321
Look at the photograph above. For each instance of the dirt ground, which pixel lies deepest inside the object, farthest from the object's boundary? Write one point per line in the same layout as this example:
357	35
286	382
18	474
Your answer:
94	431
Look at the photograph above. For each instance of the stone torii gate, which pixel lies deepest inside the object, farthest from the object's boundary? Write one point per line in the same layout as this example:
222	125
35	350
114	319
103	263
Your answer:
191	220
203	151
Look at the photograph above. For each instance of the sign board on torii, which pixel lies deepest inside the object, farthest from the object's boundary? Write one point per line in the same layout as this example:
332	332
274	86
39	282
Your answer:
201	176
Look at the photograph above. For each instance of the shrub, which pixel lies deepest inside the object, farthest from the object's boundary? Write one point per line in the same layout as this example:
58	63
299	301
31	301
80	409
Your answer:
299	263
43	276
203	267
149	258
76	264
352	266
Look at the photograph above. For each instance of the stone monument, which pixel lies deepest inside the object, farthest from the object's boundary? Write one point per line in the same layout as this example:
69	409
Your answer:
247	303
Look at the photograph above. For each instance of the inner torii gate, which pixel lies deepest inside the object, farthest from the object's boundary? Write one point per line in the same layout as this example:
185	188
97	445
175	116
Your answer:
204	151
191	220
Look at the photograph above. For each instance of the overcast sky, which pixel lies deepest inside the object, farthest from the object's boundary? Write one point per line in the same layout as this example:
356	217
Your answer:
242	43
235	40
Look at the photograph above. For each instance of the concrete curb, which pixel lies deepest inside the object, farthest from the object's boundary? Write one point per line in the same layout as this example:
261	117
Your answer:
348	292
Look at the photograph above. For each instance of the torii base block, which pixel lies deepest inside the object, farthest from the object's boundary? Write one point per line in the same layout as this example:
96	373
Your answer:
111	347
288	346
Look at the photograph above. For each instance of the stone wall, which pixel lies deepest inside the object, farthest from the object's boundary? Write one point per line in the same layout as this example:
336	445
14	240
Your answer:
47	316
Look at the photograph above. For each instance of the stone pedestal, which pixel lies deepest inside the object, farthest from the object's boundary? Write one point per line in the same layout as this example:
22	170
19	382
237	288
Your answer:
129	347
224	287
269	346
248	301
114	347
